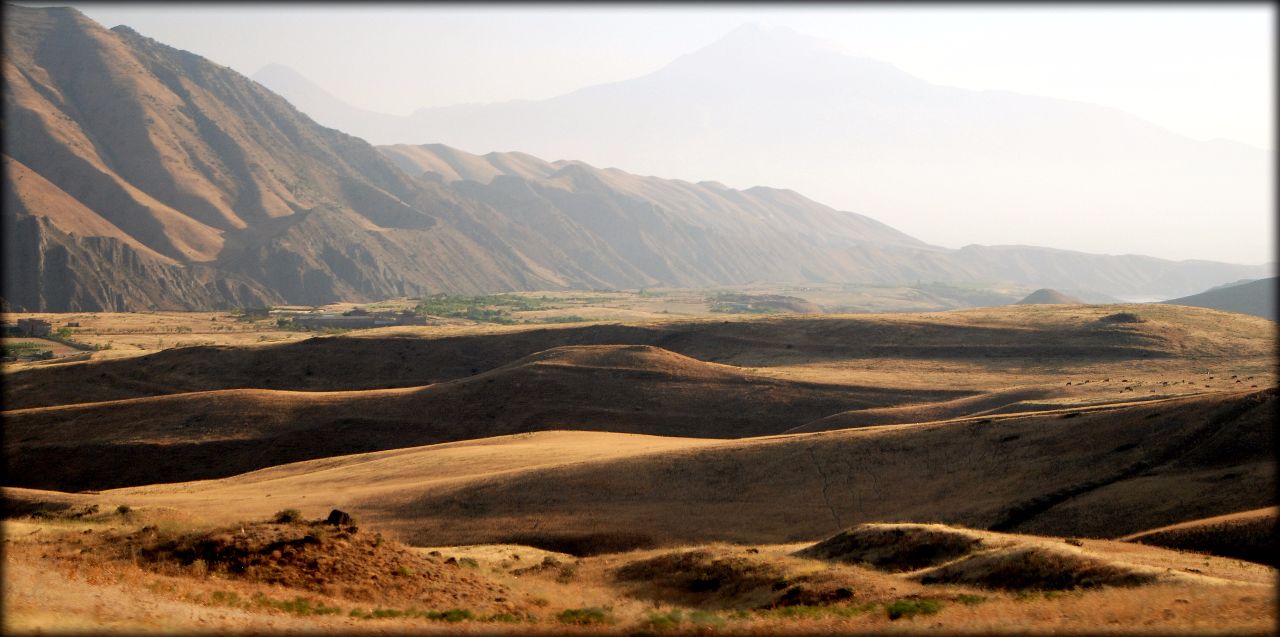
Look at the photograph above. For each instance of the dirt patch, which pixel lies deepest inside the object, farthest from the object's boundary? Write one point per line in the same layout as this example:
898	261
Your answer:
333	560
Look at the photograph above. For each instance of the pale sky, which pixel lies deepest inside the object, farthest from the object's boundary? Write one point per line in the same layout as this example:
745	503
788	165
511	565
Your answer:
1202	71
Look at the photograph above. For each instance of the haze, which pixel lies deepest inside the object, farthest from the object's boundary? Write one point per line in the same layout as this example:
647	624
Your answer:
1201	73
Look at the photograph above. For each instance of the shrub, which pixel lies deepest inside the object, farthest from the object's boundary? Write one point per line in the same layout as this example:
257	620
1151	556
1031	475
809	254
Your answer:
124	509
585	616
451	615
912	607
664	621
297	606
287	516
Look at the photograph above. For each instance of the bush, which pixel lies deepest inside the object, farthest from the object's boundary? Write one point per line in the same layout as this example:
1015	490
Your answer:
287	516
912	607
124	509
664	621
585	616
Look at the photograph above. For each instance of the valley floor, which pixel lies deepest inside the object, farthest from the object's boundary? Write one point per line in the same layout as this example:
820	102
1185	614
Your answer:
1042	469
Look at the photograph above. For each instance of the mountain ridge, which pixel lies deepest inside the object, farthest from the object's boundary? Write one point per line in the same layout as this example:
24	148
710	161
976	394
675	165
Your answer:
729	118
167	181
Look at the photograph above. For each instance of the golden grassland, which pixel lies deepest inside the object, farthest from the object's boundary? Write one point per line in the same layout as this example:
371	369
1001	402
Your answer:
1067	430
62	577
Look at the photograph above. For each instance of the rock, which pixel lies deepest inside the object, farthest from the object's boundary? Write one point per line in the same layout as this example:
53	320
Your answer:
339	518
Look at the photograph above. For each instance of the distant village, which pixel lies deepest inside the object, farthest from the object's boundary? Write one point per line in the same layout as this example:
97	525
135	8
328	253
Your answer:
350	320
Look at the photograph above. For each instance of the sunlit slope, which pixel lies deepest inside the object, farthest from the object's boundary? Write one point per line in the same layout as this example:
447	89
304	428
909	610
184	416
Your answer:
1139	466
1034	343
619	388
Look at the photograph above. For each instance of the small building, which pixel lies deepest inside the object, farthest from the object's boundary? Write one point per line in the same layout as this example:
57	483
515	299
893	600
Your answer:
34	327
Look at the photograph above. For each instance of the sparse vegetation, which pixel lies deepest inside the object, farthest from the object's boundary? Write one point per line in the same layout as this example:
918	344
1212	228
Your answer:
585	616
494	308
912	607
287	516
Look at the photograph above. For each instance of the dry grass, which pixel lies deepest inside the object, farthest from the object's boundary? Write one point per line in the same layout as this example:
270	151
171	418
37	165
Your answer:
1247	535
1185	436
63	579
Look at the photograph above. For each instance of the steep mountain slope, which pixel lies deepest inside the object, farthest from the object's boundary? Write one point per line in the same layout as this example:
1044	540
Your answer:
1253	297
139	176
773	107
199	165
810	242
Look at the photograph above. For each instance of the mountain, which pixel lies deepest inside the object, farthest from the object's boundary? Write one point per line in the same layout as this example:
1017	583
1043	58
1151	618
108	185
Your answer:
768	106
1046	296
139	176
866	250
1256	297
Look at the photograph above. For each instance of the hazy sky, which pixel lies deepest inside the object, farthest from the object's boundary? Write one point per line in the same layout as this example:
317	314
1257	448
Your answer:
1203	71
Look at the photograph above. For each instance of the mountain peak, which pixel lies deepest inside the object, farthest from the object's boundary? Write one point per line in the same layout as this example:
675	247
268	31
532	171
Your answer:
774	38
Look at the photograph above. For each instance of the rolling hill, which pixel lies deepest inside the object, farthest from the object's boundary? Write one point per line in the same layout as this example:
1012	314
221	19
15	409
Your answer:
1163	462
204	412
140	176
887	348
619	388
1251	297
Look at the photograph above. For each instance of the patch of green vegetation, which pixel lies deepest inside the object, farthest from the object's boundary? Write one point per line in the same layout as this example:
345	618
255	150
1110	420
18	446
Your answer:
287	516
567	573
469	562
738	304
810	611
491	308
585	616
705	619
32	349
912	607
452	615
970	600
664	621
509	618
301	606
229	598
567	318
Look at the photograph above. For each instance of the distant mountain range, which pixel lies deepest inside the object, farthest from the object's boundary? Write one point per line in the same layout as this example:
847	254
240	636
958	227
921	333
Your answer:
769	106
140	176
1257	297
